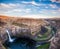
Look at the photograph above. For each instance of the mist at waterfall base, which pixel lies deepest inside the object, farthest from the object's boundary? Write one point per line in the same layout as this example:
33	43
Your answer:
21	43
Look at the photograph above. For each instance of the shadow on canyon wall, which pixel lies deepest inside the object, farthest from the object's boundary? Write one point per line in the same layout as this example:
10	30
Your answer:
27	27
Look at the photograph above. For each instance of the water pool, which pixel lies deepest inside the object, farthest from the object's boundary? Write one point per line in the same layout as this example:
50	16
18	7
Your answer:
21	43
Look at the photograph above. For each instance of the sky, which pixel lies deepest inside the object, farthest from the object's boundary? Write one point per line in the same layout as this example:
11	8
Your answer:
30	8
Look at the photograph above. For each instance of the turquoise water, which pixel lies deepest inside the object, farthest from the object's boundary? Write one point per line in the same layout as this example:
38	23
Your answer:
21	43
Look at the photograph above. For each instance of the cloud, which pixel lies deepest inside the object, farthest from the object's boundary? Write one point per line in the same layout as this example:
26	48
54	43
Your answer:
59	9
32	2
11	8
57	1
12	5
53	0
13	11
54	12
17	10
36	16
6	7
2	5
46	7
27	10
9	5
52	5
49	12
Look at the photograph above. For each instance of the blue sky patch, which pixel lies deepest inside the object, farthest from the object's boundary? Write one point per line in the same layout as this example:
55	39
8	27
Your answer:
39	8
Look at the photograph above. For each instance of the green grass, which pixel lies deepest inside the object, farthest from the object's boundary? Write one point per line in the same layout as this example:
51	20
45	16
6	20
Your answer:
45	46
45	36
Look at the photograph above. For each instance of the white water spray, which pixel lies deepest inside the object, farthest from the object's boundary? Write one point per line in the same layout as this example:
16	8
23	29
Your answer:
10	39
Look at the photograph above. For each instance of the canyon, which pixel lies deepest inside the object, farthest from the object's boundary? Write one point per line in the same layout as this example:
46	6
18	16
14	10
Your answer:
26	27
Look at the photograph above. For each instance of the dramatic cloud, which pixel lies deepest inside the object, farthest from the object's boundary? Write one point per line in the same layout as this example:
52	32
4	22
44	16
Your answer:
9	5
32	2
2	5
57	1
41	8
53	6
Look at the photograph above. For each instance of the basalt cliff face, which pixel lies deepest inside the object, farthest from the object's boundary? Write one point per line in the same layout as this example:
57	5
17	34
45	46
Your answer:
55	43
23	27
19	27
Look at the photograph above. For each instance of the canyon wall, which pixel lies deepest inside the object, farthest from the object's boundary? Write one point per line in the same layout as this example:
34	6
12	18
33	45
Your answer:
24	27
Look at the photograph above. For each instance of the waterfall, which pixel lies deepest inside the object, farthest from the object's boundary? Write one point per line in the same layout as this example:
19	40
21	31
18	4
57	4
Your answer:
10	39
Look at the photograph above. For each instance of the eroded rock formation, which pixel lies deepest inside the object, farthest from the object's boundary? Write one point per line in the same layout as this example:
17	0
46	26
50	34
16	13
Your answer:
19	27
55	43
22	27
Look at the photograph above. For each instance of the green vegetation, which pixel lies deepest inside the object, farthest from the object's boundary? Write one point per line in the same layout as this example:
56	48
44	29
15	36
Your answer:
45	46
46	35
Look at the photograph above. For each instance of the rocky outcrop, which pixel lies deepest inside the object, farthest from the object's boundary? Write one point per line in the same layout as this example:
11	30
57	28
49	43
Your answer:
1	46
55	43
20	26
24	27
